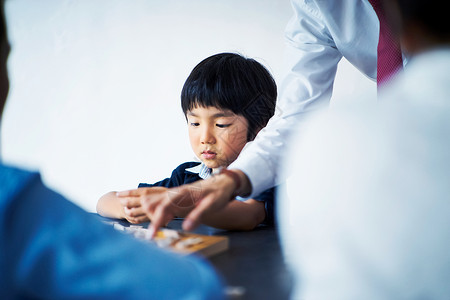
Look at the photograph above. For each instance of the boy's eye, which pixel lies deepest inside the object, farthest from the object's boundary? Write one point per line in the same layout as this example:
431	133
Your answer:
223	125
195	124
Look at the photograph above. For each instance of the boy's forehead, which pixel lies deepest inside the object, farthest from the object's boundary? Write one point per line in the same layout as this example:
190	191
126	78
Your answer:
210	111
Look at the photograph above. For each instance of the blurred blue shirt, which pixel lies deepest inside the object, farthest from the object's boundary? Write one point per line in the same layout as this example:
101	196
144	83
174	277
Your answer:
50	248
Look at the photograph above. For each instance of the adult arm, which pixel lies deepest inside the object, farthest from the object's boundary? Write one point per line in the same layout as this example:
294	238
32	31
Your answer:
311	57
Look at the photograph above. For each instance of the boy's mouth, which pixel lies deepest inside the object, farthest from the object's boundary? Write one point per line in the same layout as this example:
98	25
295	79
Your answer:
208	154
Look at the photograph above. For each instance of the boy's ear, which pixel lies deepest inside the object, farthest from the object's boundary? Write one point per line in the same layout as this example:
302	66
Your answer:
251	134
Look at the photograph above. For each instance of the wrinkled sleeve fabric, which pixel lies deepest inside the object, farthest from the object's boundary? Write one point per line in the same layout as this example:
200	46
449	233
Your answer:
311	59
53	249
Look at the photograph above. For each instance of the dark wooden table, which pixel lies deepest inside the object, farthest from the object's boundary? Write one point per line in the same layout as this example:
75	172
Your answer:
252	266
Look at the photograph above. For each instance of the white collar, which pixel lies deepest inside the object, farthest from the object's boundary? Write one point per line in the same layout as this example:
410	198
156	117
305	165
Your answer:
202	170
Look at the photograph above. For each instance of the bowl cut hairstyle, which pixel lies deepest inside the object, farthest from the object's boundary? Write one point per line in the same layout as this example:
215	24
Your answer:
233	82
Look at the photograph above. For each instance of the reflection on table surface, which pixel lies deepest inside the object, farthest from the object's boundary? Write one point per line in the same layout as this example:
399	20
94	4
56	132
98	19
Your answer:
252	267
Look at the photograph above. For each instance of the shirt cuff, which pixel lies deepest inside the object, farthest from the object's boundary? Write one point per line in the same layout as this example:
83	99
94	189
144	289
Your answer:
258	171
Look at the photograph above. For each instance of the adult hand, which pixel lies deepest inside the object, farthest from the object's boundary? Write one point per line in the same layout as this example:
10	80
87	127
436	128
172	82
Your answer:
202	197
161	204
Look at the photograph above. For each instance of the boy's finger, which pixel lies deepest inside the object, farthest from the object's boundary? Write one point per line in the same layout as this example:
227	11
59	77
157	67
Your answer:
130	202
133	212
137	220
128	193
139	211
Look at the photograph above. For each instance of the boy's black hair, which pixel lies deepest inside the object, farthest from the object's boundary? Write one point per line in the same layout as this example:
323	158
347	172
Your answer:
231	81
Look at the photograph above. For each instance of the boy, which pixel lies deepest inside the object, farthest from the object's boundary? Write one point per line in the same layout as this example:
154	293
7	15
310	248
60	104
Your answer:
226	100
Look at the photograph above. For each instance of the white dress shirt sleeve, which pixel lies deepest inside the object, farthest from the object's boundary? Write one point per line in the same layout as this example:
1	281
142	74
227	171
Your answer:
311	61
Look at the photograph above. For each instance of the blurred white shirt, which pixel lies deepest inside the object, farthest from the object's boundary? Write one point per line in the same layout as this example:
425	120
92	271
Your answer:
366	209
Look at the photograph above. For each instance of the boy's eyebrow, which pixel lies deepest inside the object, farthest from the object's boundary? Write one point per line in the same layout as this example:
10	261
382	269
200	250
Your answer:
223	114
218	115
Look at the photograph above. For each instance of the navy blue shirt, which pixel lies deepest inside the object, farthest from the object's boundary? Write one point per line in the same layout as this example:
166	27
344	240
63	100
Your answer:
182	176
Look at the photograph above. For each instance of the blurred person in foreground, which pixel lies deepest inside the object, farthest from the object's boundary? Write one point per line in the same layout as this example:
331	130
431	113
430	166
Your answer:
52	249
366	208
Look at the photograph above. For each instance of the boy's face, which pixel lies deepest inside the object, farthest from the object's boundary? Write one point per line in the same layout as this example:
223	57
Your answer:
217	136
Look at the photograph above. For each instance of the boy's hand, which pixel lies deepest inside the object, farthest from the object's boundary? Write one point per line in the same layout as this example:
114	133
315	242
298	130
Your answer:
133	210
137	202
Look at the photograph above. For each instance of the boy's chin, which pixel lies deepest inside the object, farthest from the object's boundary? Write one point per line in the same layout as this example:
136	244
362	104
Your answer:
213	165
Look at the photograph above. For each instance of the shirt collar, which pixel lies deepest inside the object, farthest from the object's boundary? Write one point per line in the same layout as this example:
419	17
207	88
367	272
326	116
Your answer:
202	170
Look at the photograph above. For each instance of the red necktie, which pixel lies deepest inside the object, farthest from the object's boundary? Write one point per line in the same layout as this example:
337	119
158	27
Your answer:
389	54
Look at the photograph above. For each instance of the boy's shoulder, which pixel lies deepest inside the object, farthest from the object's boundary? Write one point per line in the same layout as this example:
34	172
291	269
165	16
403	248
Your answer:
180	175
187	172
189	169
187	165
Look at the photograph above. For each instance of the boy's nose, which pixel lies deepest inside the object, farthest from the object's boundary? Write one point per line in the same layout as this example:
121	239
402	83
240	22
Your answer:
207	136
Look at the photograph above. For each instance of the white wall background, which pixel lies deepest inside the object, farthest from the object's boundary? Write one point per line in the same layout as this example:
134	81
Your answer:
94	99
